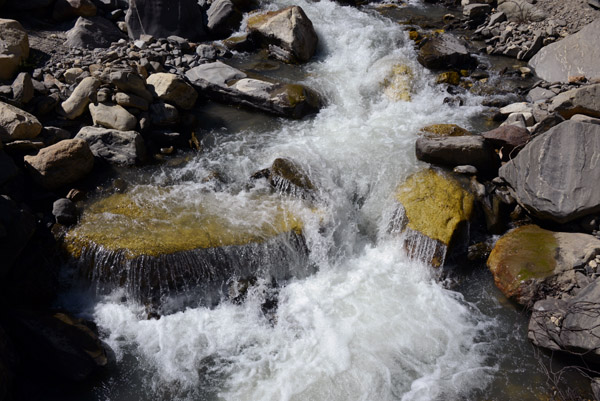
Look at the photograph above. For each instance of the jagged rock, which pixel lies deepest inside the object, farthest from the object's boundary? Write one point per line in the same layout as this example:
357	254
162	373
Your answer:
112	116
521	11
17	225
577	54
78	102
585	119
124	148
163	18
551	175
163	114
454	151
172	89
61	164
445	51
530	263
92	33
68	9
229	85
17	124
128	81
585	100
22	88
14	48
476	12
289	33
64	211
223	18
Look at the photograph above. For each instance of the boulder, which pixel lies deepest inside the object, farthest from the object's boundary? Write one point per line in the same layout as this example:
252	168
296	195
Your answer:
288	177
125	148
61	164
92	33
530	263
129	100
112	116
521	11
507	138
223	18
163	114
452	151
164	18
226	84
439	130
585	100
577	54
445	51
64	211
68	9
17	226
433	213
14	47
172	89
288	33
17	124
130	82
22	88
79	100
551	175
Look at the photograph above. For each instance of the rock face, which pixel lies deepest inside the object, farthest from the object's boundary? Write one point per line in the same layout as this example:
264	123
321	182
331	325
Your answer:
93	32
226	84
61	164
17	124
288	33
530	263
112	116
443	52
124	148
163	18
584	100
78	102
454	151
551	176
14	47
172	89
577	54
429	236
64	211
68	9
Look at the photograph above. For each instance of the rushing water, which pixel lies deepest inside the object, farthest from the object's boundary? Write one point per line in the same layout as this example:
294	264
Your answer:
370	324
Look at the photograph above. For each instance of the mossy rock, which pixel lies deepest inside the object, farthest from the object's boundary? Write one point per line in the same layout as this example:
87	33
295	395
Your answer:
439	130
398	84
448	77
435	206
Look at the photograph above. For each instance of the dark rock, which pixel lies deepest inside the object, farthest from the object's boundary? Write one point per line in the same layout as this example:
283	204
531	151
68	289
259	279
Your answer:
68	9
508	138
585	100
124	148
476	12
551	176
163	114
445	51
64	211
17	225
223	18
458	150
22	88
92	33
286	176
535	47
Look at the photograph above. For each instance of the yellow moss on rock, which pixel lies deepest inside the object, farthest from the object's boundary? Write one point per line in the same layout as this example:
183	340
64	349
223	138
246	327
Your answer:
444	130
398	85
449	77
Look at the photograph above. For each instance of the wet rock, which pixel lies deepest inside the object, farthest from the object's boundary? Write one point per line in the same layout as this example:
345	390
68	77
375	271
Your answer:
445	51
163	114
441	130
92	33
398	84
288	33
17	226
17	124
124	148
550	176
530	263
456	150
79	100
286	176
450	77
585	100
433	215
61	164
112	116
14	49
508	138
223	18
64	211
576	54
172	89
163	18
68	9
22	88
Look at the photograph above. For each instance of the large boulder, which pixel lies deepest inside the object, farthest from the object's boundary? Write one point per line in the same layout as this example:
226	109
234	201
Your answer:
117	147
164	18
585	100
223	18
452	151
14	47
172	89
530	263
229	85
79	100
577	54
92	33
112	116
61	164
287	176
288	33
129	81
17	124
445	51
552	177
433	213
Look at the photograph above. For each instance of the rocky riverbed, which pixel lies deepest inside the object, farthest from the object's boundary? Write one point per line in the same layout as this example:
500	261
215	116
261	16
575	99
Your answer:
92	91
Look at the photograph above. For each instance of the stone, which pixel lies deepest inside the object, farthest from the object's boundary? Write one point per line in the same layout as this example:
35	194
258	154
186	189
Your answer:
551	175
14	47
22	88
124	148
454	151
223	18
18	225
476	12
64	211
428	235
17	124
535	47
539	94
172	89
61	164
465	169
449	77
163	114
92	33
521	11
72	75
497	18
130	82
585	119
445	51
584	100
288	33
287	176
577	54
78	102
509	138
68	9
530	263
129	100
440	130
164	18
112	116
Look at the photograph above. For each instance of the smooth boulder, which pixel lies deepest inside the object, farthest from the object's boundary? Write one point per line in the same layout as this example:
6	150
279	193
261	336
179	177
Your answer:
452	151
79	100
112	116
92	33
14	47
553	175
125	148
17	124
445	51
172	89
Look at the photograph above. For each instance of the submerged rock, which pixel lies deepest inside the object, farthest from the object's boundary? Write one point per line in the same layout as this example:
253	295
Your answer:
286	176
440	130
433	214
584	101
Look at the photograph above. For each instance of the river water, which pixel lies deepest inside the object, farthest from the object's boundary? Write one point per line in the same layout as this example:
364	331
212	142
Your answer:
370	324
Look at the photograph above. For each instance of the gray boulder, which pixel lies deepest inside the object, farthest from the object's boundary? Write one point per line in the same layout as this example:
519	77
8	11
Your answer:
223	18
454	151
172	89
22	88
64	211
585	100
17	124
112	116
14	47
553	175
125	148
92	33
577	54
445	51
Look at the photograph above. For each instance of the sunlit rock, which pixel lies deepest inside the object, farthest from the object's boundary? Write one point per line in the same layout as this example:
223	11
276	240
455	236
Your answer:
398	84
437	130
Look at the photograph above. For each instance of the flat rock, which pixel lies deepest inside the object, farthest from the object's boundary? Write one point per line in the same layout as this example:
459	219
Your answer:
172	89
112	116
454	151
577	54
14	47
79	100
551	175
17	124
585	100
445	51
92	33
125	148
507	138
130	82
